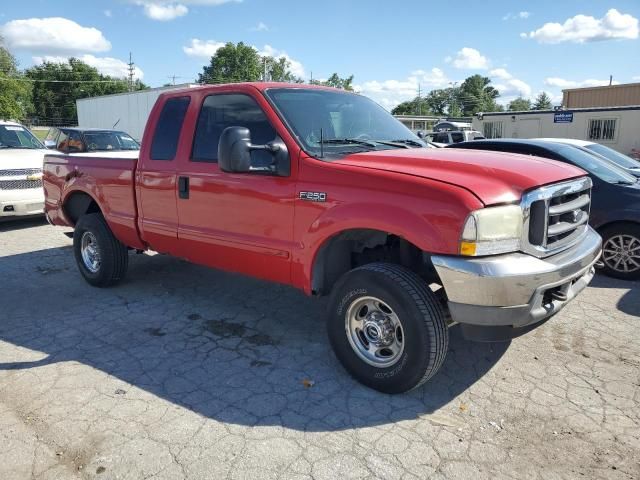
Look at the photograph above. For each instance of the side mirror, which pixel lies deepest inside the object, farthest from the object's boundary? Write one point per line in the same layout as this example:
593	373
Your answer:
234	153
50	144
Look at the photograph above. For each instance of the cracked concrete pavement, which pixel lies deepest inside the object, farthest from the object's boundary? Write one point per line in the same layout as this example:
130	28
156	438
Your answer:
186	372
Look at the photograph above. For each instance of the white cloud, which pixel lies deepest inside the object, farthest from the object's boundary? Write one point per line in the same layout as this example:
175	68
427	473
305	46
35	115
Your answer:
108	13
166	10
470	59
205	49
509	86
637	79
390	93
584	28
202	48
113	67
164	13
53	35
562	83
516	16
261	27
295	66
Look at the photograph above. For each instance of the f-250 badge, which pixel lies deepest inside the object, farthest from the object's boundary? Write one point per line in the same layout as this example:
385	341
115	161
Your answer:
313	196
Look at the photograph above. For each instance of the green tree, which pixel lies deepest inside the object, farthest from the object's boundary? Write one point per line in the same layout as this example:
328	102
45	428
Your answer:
57	86
336	81
15	93
477	95
417	106
242	63
520	104
542	102
279	70
233	63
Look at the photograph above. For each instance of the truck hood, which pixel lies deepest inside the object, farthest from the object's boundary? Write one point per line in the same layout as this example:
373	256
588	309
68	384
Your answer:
16	158
494	177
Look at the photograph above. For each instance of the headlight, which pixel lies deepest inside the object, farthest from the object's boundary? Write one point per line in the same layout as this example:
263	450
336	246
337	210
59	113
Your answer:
492	230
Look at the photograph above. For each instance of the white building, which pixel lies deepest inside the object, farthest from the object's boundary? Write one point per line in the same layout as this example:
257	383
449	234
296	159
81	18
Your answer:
616	127
124	111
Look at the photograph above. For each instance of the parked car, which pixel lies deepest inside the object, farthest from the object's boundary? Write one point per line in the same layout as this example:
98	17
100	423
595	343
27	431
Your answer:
21	156
83	140
442	139
615	207
324	190
625	162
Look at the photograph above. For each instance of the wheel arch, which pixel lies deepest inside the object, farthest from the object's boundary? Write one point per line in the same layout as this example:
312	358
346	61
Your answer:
78	203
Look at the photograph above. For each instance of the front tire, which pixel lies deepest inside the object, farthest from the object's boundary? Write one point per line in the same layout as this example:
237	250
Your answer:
387	327
101	258
621	251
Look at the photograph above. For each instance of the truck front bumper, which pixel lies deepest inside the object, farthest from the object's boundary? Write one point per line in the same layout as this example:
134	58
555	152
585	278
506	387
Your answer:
503	296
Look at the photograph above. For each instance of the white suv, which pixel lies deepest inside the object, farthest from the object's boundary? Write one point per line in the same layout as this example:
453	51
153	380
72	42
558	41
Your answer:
21	156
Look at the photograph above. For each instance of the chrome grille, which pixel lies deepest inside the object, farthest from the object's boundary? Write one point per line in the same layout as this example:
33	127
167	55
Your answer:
20	179
555	216
19	184
20	173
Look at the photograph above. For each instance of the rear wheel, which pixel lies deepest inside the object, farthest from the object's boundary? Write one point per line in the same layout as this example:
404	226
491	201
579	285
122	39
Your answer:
387	328
621	251
101	258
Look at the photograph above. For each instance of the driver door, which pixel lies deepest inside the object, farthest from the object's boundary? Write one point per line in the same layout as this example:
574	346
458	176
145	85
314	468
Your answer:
238	222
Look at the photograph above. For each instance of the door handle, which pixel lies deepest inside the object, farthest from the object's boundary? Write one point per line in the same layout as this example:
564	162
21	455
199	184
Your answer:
183	187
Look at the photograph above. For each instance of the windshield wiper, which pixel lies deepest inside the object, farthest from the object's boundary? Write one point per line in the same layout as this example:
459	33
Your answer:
392	143
408	141
347	141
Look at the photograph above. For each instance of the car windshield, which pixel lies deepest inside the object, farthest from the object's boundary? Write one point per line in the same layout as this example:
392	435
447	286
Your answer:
109	141
336	123
595	165
613	156
16	136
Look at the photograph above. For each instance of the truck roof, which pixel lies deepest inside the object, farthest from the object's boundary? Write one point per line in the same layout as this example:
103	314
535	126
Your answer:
257	85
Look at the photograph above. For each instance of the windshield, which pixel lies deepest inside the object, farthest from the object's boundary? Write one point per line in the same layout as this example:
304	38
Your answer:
596	166
16	136
346	123
616	157
109	141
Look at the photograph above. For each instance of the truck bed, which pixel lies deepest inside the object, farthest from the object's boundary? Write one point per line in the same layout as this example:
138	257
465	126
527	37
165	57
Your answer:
108	180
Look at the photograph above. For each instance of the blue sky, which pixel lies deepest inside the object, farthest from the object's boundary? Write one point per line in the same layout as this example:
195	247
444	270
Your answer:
390	47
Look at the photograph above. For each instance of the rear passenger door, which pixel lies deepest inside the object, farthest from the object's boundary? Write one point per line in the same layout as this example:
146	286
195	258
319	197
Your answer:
156	177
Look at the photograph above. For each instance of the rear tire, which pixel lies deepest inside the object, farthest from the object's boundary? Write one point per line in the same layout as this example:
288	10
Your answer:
387	327
621	251
101	258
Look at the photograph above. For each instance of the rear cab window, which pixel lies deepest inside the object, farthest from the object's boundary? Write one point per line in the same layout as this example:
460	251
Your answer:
167	132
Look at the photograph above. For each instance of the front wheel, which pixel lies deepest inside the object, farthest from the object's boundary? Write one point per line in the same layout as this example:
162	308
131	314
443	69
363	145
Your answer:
387	327
621	251
101	258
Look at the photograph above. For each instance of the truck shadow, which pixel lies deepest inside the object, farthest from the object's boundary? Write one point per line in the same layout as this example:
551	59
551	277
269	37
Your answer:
9	224
230	348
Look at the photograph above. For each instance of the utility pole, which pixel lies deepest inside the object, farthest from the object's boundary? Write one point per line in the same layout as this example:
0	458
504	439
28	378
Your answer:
610	80
419	99
132	72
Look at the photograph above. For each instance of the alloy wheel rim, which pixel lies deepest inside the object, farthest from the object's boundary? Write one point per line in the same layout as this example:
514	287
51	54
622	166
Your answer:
90	252
374	331
622	253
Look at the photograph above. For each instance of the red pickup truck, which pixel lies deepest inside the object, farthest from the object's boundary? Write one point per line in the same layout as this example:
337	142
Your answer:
324	190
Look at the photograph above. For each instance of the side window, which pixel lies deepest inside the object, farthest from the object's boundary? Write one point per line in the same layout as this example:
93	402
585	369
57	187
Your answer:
165	139
52	134
62	141
74	142
457	137
441	138
231	110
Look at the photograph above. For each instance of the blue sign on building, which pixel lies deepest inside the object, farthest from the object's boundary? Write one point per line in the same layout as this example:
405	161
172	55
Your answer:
563	117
